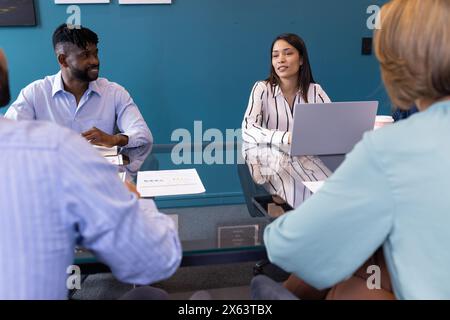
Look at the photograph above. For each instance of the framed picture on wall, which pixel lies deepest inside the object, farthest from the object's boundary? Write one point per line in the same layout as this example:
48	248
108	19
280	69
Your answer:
145	1
17	13
81	1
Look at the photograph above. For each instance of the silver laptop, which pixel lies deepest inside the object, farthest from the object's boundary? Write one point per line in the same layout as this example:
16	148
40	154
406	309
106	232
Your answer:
330	128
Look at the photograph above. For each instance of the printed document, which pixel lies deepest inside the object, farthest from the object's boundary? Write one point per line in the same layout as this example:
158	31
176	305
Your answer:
313	186
169	183
107	152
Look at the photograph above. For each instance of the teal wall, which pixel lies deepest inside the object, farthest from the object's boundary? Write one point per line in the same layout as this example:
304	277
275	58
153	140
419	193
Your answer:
198	59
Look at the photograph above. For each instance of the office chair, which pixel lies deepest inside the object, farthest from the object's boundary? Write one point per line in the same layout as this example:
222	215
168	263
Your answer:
250	189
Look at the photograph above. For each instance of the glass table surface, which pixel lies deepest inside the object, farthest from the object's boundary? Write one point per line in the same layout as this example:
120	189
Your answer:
247	187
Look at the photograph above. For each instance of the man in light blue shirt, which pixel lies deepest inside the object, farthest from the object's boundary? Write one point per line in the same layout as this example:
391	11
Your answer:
56	192
102	111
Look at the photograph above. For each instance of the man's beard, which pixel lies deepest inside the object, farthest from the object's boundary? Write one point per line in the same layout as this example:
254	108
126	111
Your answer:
83	75
4	88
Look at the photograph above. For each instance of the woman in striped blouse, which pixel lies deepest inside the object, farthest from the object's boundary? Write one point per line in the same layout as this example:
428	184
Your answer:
269	116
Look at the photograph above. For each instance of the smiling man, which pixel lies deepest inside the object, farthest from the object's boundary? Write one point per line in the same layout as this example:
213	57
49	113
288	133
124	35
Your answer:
102	111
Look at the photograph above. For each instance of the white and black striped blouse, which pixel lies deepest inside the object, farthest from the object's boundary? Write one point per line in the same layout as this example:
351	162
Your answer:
269	117
281	174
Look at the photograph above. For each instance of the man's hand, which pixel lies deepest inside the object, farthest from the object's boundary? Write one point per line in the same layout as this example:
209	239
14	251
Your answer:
100	138
132	188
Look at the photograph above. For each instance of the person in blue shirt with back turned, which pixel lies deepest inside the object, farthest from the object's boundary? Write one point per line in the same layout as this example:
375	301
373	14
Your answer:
390	195
102	111
56	192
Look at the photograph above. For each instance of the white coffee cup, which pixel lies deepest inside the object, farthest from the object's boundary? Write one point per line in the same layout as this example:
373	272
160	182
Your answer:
381	121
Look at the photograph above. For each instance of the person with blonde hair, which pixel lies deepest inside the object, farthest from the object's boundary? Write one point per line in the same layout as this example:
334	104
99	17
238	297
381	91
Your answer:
390	195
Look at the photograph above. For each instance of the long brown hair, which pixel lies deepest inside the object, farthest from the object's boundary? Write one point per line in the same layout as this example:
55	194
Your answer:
305	77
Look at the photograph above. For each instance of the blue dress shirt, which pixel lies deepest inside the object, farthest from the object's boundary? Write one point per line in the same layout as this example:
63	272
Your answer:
56	192
105	105
393	190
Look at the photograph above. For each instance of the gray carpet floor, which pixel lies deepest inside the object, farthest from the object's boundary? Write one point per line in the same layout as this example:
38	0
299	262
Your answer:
228	281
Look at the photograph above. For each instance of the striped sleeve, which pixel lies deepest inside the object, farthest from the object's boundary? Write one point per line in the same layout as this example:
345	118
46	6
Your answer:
321	97
130	121
23	107
252	125
138	243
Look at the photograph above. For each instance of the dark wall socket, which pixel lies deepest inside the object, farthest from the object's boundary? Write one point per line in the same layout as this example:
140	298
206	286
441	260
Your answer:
366	49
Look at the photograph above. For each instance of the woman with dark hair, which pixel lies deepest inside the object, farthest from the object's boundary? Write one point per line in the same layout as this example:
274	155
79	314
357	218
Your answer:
269	116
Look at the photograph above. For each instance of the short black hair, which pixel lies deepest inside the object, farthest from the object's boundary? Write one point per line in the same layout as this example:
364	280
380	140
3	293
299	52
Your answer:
80	37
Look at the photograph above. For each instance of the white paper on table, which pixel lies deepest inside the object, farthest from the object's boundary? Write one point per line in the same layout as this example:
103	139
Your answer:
313	186
123	176
115	160
80	1
145	1
169	183
107	152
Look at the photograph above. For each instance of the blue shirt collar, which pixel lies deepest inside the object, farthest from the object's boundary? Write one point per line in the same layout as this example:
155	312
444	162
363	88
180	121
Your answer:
58	86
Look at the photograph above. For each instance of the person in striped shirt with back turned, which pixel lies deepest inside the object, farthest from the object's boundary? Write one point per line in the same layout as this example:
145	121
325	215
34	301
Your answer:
269	115
56	192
